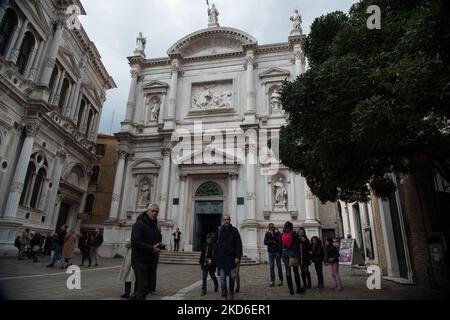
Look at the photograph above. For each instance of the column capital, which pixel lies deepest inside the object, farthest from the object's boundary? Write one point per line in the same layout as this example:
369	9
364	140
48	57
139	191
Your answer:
166	150
61	153
31	129
135	73
176	67
122	151
250	60
233	175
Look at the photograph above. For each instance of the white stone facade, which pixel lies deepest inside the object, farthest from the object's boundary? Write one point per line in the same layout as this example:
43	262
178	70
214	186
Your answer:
215	83
52	89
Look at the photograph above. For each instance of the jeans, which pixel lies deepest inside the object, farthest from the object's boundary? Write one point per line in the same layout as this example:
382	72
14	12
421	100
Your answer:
275	256
205	278
176	245
223	281
57	254
286	255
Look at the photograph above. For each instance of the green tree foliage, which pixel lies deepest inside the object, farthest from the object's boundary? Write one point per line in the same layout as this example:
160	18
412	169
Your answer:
372	101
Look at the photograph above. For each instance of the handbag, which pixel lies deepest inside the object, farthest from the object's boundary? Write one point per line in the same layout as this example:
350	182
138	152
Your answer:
293	262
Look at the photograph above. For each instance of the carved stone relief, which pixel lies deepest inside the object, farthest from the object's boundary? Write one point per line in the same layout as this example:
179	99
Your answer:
217	95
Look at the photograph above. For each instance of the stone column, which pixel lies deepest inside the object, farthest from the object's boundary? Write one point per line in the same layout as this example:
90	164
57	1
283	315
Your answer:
21	170
181	218
166	150
291	193
58	86
34	68
311	223
52	52
299	60
233	198
251	90
16	49
61	156
123	154
68	105
251	184
54	90
131	104
176	70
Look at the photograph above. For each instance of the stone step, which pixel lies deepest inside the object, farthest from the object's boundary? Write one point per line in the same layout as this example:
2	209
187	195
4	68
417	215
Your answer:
191	258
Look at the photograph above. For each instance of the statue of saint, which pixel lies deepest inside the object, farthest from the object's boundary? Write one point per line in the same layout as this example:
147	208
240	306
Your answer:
140	43
275	100
144	193
280	193
296	19
213	15
154	113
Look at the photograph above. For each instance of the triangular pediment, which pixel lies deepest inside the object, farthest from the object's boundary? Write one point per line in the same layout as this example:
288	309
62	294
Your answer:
274	72
199	156
36	15
156	85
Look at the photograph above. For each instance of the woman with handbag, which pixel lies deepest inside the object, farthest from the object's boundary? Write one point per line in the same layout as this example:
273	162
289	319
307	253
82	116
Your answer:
290	244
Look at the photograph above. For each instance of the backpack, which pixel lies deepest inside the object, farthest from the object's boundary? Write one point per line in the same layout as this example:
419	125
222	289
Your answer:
286	240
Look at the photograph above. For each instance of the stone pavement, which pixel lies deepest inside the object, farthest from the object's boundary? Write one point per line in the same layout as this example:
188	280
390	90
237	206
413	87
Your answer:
25	280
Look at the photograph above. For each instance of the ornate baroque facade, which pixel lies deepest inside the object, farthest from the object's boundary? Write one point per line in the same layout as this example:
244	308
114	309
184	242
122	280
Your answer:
217	92
52	89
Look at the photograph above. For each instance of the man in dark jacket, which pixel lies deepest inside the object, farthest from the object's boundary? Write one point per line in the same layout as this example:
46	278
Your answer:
208	263
145	242
272	240
228	254
96	243
59	245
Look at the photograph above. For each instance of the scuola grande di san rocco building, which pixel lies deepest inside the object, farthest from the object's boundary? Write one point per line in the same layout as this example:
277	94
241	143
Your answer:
52	89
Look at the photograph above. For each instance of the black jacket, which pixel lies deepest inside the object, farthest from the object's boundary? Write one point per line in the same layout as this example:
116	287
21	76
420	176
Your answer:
144	235
332	254
273	241
98	240
61	237
317	253
304	247
228	248
208	252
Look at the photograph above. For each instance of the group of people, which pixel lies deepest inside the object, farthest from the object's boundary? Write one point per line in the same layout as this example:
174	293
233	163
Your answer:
297	253
61	244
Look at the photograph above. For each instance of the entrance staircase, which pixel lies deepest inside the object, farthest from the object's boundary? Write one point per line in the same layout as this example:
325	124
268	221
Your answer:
170	257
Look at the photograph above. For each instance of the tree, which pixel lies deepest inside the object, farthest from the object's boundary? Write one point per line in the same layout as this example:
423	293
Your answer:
373	102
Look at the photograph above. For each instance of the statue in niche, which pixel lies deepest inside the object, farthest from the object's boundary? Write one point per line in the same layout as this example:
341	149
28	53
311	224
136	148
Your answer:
154	112
275	101
296	19
144	192
280	195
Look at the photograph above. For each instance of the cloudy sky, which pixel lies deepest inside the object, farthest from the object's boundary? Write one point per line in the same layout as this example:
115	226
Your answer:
114	24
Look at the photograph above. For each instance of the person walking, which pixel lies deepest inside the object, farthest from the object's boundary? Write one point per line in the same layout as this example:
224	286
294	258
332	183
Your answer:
35	246
317	256
290	244
304	257
228	255
176	239
97	242
59	246
68	251
332	258
86	253
208	263
126	274
272	240
146	244
25	244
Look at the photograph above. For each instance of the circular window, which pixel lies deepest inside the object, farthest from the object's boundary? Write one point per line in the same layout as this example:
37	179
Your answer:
4	165
27	216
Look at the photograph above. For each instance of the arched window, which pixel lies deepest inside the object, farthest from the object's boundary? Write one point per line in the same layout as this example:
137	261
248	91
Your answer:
63	95
37	190
53	78
9	23
25	51
91	115
209	189
89	207
30	171
95	174
80	113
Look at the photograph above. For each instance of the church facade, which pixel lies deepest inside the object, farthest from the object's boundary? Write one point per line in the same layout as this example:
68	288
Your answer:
200	139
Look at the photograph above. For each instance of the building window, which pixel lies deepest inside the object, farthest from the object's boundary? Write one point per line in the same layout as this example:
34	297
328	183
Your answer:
101	149
30	171
89	207
95	174
9	23
328	233
80	113
89	122
25	51
63	95
38	186
53	79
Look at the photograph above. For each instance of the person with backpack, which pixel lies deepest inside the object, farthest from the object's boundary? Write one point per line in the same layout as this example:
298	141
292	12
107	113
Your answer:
290	243
272	240
208	263
304	258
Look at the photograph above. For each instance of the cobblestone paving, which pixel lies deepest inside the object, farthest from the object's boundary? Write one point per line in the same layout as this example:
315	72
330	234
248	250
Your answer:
23	279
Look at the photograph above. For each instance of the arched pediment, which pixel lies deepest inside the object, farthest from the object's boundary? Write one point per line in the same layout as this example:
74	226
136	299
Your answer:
212	41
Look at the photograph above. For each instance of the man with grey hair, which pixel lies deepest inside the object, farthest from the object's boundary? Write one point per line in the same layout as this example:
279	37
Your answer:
146	244
228	255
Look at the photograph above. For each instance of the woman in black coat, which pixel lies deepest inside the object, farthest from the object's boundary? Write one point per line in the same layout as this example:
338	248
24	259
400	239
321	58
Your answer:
304	259
317	255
